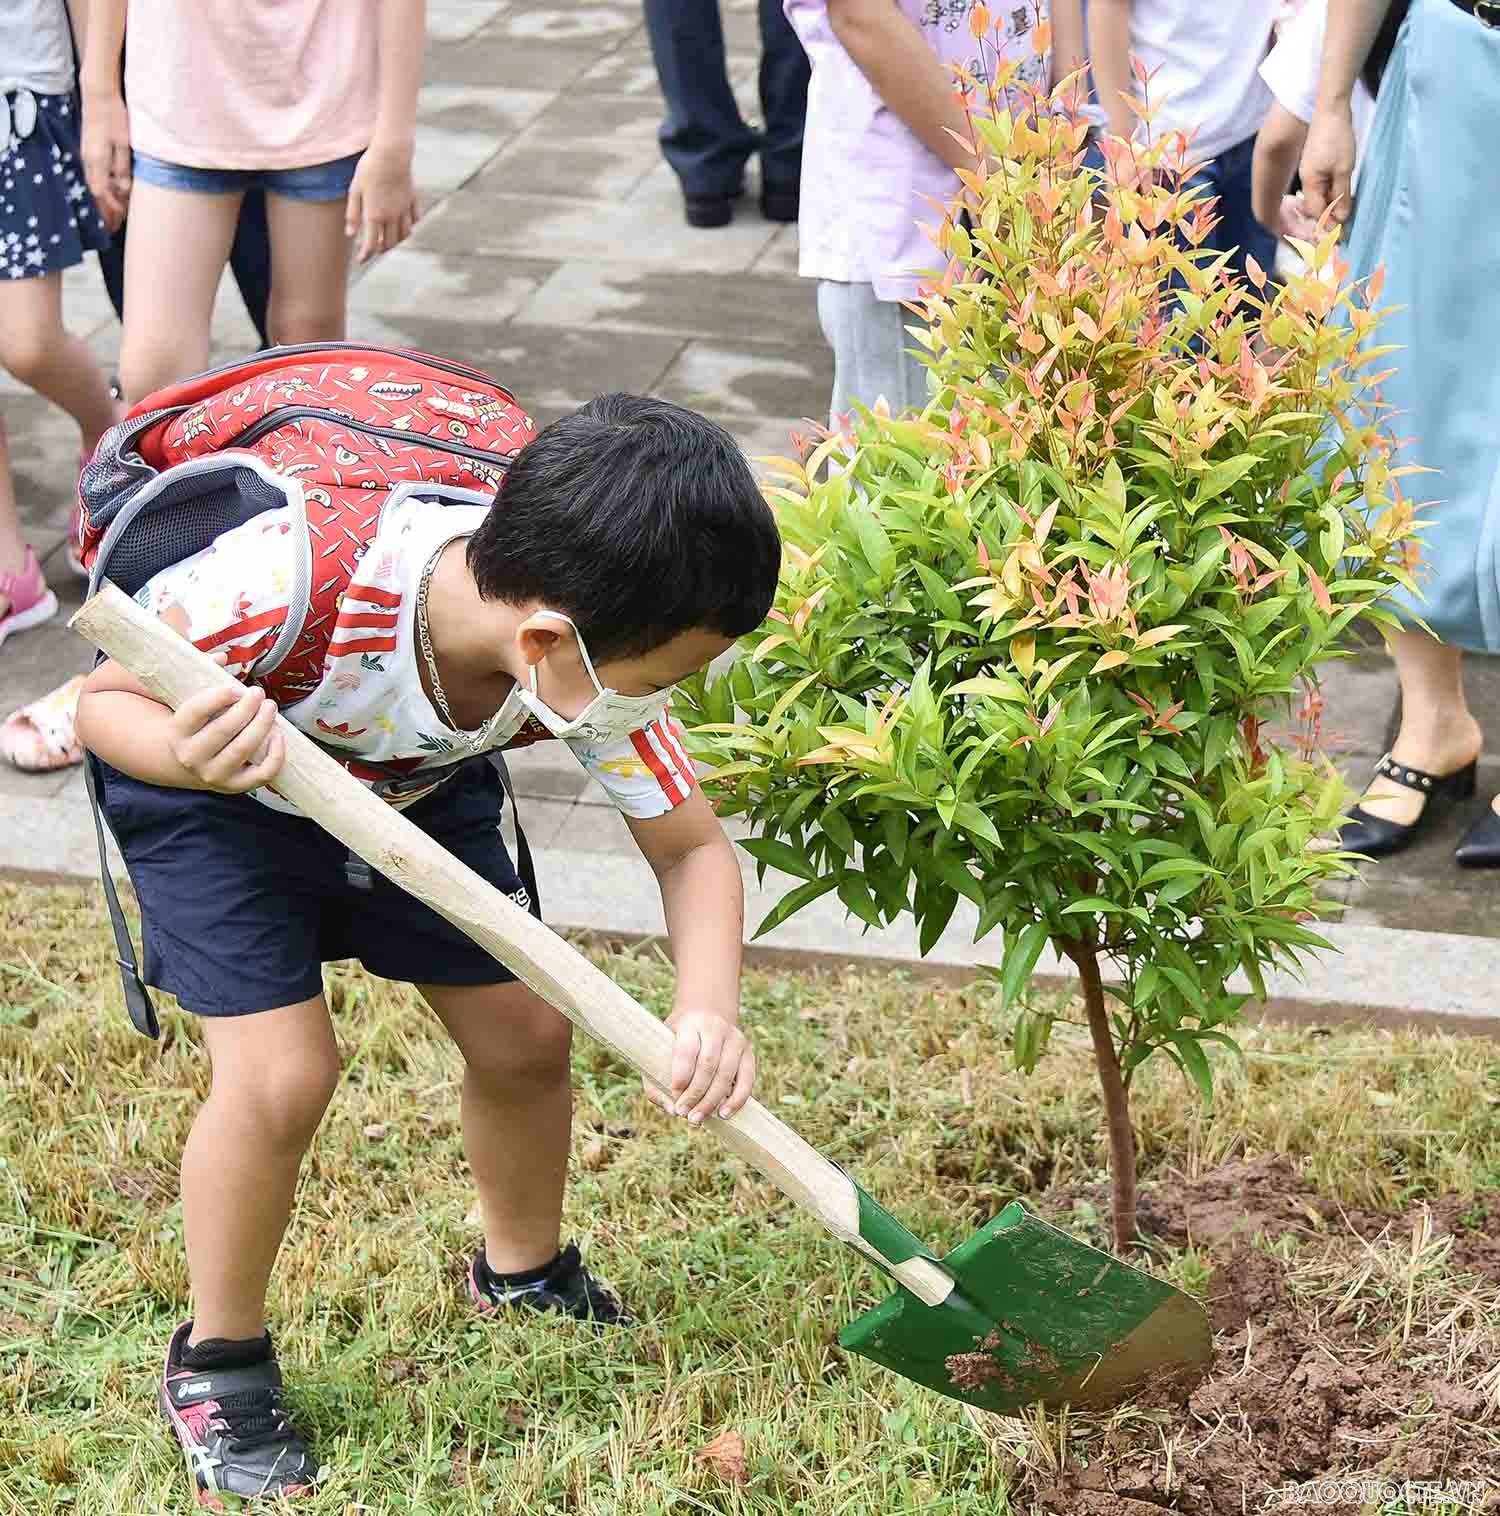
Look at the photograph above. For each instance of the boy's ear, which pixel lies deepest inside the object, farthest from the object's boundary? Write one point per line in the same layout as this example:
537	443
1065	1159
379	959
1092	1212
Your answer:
540	634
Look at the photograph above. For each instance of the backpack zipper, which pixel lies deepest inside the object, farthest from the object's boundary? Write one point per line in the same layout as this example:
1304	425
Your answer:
299	349
272	419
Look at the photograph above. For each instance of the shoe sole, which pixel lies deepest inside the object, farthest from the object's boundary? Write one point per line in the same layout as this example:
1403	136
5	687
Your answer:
34	615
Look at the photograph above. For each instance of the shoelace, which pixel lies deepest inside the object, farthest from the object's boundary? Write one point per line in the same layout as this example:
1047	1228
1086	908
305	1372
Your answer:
254	1419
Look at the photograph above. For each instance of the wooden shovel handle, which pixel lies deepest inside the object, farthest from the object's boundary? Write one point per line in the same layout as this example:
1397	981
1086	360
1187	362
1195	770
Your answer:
173	669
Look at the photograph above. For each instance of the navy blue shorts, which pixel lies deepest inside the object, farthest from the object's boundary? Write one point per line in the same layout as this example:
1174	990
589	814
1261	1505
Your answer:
242	905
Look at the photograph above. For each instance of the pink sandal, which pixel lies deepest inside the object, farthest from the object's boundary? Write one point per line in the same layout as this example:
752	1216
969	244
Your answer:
28	601
40	737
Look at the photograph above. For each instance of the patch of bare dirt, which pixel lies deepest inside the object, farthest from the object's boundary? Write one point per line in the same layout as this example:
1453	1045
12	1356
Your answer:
1299	1395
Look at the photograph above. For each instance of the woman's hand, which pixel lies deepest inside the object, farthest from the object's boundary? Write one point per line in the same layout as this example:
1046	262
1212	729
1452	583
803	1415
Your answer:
1328	162
106	155
713	1068
382	205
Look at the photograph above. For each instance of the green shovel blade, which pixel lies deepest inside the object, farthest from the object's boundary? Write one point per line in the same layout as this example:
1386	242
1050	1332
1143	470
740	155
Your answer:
1036	1316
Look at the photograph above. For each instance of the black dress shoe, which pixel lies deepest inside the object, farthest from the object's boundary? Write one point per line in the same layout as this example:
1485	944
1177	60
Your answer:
1376	837
781	202
706	211
1480	848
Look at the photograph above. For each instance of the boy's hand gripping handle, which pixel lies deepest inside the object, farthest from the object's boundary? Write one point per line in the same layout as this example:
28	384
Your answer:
173	669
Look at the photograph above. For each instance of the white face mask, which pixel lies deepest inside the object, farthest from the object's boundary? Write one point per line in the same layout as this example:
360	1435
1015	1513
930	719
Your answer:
608	717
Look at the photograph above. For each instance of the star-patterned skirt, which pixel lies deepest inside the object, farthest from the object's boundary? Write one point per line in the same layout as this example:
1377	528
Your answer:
48	219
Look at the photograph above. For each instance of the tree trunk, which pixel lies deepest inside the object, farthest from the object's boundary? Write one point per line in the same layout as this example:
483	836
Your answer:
1116	1097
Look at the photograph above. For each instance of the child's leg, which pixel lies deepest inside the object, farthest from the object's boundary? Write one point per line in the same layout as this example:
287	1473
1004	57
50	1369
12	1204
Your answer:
178	245
273	1075
517	1114
309	269
870	346
12	543
41	353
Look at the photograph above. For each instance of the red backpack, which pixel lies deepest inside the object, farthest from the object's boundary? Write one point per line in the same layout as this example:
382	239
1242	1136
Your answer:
332	429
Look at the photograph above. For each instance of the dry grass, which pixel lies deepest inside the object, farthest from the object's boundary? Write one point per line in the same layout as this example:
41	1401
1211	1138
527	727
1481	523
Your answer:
417	1407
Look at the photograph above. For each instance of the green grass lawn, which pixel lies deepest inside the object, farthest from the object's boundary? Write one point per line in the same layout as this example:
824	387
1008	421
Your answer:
416	1406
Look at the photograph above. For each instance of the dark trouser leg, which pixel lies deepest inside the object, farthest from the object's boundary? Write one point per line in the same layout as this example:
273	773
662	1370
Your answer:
1238	229
250	260
784	73
704	137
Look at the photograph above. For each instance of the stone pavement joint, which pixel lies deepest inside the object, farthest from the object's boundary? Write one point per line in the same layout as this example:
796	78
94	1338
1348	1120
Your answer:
553	252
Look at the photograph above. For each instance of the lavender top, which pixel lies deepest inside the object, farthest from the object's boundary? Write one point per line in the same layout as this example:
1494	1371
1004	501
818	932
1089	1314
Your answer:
867	181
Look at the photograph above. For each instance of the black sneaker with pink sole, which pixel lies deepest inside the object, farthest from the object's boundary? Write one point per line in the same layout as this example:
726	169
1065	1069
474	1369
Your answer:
233	1428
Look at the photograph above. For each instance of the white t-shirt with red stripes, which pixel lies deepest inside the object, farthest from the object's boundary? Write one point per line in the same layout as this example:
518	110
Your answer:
370	711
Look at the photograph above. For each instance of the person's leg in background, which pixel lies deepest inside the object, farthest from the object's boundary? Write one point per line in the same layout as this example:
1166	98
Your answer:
250	262
704	138
178	246
1238	232
309	269
870	346
784	76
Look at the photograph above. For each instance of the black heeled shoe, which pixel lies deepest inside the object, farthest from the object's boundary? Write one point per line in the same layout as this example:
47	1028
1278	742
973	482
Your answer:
1376	837
1480	848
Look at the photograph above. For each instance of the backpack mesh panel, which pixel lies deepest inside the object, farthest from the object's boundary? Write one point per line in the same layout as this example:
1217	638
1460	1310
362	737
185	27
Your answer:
183	518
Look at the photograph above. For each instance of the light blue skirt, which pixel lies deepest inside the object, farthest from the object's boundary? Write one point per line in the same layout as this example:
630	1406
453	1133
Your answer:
1428	208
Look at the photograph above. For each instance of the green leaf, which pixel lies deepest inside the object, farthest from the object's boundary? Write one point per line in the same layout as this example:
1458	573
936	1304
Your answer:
779	855
940	903
855	894
792	902
1225	475
972	819
1195	1062
873	541
946	601
1021	955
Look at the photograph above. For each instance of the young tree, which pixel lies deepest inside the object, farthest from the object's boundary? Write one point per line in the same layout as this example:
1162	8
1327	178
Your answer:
1028	642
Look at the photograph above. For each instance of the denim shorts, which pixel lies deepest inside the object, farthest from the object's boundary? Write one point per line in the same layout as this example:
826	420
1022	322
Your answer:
241	905
318	181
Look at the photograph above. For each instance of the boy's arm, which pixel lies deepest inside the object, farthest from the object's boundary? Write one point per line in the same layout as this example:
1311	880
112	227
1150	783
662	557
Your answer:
1109	53
382	199
215	741
1328	158
78	19
906	74
1278	145
713	1068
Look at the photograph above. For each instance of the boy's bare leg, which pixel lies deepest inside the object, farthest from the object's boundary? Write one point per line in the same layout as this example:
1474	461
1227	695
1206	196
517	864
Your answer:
517	1114
178	246
274	1073
309	269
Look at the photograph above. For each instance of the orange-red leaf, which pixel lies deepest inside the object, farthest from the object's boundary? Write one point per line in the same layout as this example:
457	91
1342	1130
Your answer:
1319	589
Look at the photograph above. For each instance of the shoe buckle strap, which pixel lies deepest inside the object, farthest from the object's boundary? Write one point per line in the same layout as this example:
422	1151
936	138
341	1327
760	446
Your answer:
1407	778
216	1384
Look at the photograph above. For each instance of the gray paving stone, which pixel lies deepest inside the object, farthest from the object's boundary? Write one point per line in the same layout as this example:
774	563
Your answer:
550	369
497	110
736	307
780	257
493	60
453	20
445	159
535	163
581	30
643	232
444	287
751	381
547	769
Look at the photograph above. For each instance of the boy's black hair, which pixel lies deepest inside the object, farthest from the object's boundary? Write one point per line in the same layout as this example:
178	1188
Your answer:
639	519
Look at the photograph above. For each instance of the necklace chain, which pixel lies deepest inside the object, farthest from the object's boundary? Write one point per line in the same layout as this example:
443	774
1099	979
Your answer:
424	638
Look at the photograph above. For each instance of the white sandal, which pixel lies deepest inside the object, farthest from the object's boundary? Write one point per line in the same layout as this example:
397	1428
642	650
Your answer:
41	737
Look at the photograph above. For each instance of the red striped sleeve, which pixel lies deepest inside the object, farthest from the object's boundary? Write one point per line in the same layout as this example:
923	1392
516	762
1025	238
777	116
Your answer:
349	620
655	748
361	645
242	629
388	598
